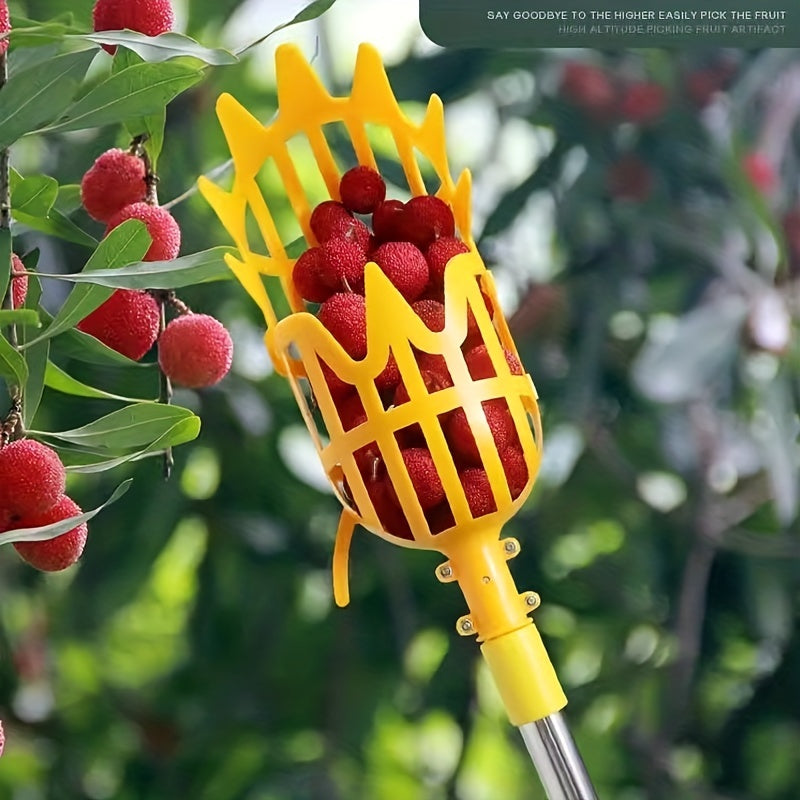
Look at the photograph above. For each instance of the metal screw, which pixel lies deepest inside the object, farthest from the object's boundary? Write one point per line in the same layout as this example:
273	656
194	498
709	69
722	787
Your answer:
466	626
532	599
510	546
445	571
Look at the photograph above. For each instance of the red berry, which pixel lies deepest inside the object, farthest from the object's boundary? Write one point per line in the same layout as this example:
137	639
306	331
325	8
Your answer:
161	226
115	180
431	313
439	254
331	219
308	276
351	412
345	316
630	178
589	88
32	479
424	477
362	189
501	425
643	102
338	388
478	491
5	27
516	470
386	220
343	263
389	377
701	85
127	322
480	364
426	218
52	555
760	172
368	458
405	266
195	350
391	516
440	518
435	376
150	17
19	282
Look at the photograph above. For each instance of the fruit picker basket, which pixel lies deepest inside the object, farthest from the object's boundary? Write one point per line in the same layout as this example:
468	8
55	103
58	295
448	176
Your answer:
430	431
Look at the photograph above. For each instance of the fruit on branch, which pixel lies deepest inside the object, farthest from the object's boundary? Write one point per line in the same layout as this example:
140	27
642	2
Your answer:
115	180
362	189
405	266
195	351
343	262
308	276
127	322
32	478
150	17
19	282
760	172
438	256
52	555
589	88
643	102
161	226
345	316
386	220
5	27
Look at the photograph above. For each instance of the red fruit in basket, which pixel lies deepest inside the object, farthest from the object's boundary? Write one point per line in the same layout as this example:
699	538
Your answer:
161	226
338	388
345	316
405	266
459	432
343	263
60	552
440	518
435	376
426	218
516	470
115	180
19	282
424	477
643	102
480	365
351	412
760	171
308	275
589	87
362	189
389	377
431	313
478	491
391	516
331	219
386	220
439	254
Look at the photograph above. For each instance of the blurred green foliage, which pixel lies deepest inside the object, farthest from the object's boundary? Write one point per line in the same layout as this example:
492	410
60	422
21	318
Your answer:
196	651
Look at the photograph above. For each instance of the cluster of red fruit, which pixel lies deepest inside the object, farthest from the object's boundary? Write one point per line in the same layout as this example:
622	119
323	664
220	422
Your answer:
32	482
194	350
150	17
412	243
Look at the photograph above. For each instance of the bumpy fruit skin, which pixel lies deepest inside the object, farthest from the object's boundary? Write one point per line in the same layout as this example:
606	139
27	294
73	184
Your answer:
424	477
386	220
405	266
343	262
501	425
515	468
331	220
345	316
195	351
161	226
115	180
431	312
32	479
426	218
150	17
5	27
308	276
439	254
478	490
19	282
53	555
362	189
643	102
480	364
127	322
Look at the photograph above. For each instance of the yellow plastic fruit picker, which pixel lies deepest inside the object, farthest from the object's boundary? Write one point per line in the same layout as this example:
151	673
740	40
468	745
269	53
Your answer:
301	349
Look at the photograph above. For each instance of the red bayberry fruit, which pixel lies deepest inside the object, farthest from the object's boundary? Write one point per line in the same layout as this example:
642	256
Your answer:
345	316
386	220
308	276
150	17
405	266
331	219
462	440
52	555
426	218
362	189
338	388
480	365
127	322
391	516
440	518
435	376
478	491
589	88
389	377
32	479
343	263
439	254
5	27
115	180
516	470
195	350
760	172
161	226
431	313
424	476
630	178
643	102
19	282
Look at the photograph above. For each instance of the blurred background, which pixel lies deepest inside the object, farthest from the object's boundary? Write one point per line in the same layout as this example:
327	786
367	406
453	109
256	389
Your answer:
640	211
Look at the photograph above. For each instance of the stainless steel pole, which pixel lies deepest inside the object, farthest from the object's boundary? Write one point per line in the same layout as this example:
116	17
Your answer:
557	760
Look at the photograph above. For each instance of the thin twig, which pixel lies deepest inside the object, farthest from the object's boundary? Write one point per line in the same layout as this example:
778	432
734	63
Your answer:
165	385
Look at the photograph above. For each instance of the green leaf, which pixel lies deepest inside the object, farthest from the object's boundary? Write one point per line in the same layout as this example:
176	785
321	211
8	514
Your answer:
12	365
44	532
20	316
55	378
311	11
136	91
202	267
36	359
33	195
83	347
29	34
163	47
124	244
69	198
133	426
36	96
181	432
57	224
